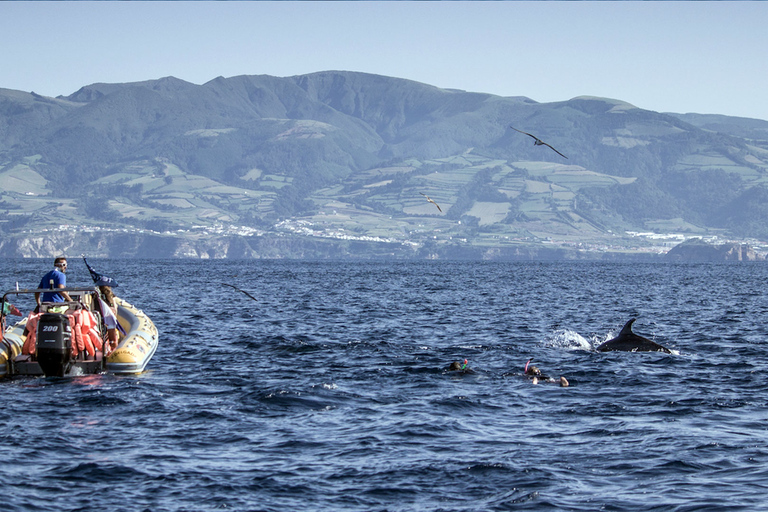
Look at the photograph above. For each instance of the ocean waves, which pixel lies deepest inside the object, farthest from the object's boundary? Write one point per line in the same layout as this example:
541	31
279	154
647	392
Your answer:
331	391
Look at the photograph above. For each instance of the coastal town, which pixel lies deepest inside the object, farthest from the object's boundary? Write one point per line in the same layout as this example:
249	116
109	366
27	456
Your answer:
630	242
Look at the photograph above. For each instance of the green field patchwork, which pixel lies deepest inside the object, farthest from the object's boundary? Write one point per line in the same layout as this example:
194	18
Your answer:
489	213
21	179
537	187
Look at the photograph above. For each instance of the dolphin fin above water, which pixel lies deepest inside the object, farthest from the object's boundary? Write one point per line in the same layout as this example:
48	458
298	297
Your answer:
628	341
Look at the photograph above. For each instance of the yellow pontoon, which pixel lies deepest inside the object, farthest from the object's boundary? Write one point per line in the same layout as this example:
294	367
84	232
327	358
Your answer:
55	327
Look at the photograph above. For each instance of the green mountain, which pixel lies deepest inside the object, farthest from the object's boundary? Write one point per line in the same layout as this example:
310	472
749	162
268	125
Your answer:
330	159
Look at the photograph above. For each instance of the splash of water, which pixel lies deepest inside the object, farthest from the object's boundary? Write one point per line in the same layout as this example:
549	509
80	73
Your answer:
568	339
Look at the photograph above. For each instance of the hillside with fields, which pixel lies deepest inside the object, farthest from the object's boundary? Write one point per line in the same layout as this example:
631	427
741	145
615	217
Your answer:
334	164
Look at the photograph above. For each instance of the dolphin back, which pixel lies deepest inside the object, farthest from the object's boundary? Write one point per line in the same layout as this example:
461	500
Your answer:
627	329
628	341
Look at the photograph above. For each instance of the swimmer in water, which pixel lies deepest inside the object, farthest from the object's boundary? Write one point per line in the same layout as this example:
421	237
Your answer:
459	367
536	376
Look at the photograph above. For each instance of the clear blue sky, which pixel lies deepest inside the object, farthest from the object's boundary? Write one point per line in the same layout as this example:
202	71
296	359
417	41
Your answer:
706	57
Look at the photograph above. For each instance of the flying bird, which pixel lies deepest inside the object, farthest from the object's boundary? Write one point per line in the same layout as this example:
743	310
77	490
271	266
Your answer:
431	201
238	289
539	142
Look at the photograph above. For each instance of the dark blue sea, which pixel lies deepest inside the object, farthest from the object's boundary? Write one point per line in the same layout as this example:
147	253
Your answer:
329	391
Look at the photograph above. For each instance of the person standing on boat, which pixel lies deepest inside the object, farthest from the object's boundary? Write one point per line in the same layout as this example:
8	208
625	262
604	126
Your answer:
109	312
53	280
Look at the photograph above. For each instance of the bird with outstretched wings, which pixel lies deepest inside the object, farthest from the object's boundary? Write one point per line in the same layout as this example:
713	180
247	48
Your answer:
240	290
431	201
539	142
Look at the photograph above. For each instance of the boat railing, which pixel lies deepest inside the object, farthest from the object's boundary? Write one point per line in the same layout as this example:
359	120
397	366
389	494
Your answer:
75	292
30	291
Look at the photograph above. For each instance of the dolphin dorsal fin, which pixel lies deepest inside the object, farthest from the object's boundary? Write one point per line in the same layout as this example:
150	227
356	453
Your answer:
627	329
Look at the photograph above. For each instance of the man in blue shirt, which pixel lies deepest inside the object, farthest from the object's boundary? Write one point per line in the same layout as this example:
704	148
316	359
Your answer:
53	280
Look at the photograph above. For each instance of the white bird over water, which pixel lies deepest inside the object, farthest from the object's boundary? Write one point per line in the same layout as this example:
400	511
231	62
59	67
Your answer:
431	201
539	142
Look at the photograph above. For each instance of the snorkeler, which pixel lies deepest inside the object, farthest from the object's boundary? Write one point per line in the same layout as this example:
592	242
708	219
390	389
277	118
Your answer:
459	367
536	376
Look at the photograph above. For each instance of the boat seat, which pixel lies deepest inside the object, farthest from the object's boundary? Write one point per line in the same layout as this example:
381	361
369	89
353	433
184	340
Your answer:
59	307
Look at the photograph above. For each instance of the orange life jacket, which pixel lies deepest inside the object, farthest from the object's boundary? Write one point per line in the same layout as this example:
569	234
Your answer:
82	325
30	346
88	329
78	343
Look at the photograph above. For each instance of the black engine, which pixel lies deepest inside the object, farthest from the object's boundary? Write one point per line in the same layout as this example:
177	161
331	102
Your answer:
54	344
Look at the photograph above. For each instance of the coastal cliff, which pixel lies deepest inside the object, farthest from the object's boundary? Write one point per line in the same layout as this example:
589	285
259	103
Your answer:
154	245
697	249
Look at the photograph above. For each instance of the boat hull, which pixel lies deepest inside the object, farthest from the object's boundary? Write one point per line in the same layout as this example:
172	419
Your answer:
139	343
134	351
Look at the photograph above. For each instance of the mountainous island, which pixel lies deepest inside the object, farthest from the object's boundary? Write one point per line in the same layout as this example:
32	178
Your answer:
337	165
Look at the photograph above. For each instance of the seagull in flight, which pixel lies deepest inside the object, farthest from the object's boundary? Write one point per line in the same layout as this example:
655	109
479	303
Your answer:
539	142
431	201
238	289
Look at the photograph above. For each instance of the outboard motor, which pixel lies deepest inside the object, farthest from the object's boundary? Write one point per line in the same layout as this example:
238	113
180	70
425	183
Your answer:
54	344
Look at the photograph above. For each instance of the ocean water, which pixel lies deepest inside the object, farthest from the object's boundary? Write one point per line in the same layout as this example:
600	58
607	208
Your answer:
329	391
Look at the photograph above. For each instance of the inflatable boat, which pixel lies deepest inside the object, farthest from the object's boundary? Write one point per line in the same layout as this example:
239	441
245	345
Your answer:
70	338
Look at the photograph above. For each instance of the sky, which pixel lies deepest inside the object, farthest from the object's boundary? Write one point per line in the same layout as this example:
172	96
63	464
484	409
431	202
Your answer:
688	56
